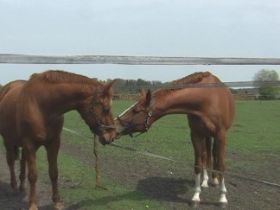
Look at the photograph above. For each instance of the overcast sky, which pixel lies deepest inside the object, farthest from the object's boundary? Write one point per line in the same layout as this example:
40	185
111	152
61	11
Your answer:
212	28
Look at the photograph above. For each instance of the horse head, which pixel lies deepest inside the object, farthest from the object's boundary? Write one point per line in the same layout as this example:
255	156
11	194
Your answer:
136	118
97	113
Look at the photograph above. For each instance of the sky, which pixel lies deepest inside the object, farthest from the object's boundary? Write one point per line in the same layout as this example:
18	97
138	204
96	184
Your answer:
194	28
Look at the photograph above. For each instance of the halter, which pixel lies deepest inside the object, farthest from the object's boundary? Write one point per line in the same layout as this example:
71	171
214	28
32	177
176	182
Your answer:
146	124
147	120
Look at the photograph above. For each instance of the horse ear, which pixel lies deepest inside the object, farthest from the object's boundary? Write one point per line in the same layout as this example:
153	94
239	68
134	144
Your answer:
107	89
142	93
148	98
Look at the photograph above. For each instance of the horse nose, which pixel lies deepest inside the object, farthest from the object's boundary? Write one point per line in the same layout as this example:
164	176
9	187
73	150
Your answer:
108	138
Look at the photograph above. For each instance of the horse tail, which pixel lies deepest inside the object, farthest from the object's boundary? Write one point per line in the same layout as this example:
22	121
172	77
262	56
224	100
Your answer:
4	90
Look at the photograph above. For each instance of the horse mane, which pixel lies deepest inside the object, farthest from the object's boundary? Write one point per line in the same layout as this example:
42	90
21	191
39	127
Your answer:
192	78
184	82
58	76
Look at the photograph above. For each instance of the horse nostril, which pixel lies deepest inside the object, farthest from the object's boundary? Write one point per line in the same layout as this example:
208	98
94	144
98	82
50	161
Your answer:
108	138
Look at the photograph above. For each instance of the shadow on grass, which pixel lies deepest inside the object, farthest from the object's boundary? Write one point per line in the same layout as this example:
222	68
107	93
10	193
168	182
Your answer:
15	200
157	188
176	191
165	189
11	199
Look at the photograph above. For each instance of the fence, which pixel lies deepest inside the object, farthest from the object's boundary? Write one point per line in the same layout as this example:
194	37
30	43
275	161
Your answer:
133	60
141	60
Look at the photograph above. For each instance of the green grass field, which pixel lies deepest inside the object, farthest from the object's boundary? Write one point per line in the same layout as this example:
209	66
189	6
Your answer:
253	138
255	133
255	130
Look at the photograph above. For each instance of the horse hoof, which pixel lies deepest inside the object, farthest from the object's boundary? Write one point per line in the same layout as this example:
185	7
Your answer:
22	189
215	182
204	184
33	207
100	187
223	205
195	204
14	186
58	206
195	200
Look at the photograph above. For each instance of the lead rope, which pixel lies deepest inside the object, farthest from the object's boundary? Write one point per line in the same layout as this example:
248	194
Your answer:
97	166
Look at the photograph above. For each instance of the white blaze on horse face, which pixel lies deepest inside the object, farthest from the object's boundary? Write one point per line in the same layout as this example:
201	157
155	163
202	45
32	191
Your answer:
125	111
197	188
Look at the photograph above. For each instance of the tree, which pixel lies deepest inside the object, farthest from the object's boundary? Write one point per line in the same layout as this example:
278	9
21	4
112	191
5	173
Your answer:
265	80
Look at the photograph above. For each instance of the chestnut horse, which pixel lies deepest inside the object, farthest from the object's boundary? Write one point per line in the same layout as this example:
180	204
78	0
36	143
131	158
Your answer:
12	152
31	115
209	106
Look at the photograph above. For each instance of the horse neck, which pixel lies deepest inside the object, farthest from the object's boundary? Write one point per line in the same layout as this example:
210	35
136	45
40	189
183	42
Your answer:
181	101
61	98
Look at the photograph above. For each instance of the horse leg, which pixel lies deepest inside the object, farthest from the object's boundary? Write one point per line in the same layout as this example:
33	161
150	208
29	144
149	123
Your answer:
11	157
215	180
220	154
95	152
97	166
52	153
22	174
197	142
207	161
30	155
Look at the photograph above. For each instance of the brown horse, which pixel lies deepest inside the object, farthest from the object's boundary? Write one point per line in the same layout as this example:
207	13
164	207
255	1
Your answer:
31	115
13	152
209	106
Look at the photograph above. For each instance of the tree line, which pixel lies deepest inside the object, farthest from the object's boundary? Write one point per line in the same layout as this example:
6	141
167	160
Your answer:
123	86
264	82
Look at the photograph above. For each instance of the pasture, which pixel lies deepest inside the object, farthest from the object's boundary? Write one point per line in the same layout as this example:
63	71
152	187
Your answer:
138	181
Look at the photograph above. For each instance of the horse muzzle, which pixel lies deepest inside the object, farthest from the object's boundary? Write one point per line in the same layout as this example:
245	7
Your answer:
107	138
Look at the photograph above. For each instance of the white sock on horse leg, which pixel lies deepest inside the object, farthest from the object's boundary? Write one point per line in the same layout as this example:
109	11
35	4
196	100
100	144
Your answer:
223	189
205	178
215	181
197	188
